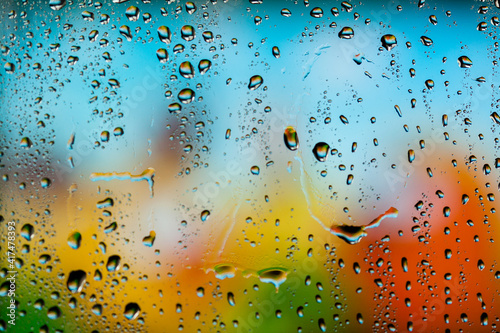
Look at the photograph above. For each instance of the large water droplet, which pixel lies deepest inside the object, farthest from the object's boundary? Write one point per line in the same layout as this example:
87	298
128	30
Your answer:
317	12
149	240
224	271
74	240
186	96
426	41
187	33
164	34
113	263
204	66
286	12
321	150
255	82
275	276
132	311
346	33
132	13
389	41
76	280
27	231
204	215
54	313
57	4
291	138
162	55
186	70
125	31
276	52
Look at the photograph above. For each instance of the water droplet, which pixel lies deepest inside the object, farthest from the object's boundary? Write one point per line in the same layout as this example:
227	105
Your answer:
411	155
186	70
125	32
223	271
356	267
162	55
276	52
186	96
204	66
346	33
228	134
132	13
404	264
57	4
45	182
175	108
230	298
320	151
359	318
208	36
164	34
433	19
54	313
429	84
187	33
200	292
275	276
255	170
26	143
204	215
464	62
113	263
446	211
9	67
480	265
255	82
291	138
317	12
482	26
484	319
118	131
132	311
97	309
190	7
426	41
344	120
149	240
353	234
286	12
389	41
322	325
75	240
398	110
495	117
27	231
447	253
108	202
76	280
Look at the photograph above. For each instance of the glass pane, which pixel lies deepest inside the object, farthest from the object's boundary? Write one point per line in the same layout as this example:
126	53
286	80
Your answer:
249	166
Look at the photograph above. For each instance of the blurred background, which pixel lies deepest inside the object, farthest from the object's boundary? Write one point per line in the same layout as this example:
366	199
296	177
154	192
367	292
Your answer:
210	166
